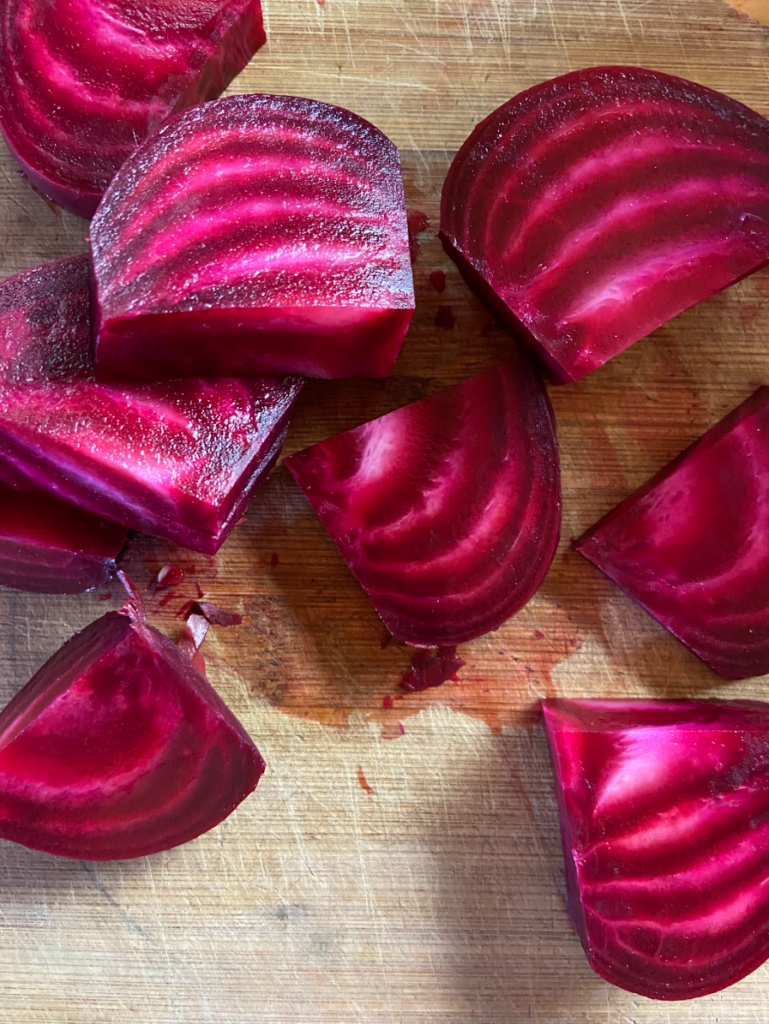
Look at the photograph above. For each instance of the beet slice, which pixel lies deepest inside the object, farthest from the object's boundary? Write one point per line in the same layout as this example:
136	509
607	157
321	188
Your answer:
83	81
177	460
447	511
664	818
118	747
692	545
254	234
591	209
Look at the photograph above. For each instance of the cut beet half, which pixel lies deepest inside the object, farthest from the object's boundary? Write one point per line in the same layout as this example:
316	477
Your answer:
692	545
254	234
664	812
83	81
119	748
177	460
51	547
591	209
447	511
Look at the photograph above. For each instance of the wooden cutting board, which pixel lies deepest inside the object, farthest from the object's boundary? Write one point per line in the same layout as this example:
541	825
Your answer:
395	866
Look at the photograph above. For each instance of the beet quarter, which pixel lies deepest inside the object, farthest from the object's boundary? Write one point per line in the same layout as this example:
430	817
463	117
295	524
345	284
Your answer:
447	511
591	209
254	235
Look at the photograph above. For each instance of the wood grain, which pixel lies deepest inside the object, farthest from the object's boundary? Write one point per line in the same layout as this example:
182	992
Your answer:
439	896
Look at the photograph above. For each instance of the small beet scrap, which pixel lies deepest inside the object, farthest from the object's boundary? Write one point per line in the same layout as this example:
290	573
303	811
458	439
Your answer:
447	511
254	235
692	545
178	460
50	547
664	809
82	82
592	208
119	748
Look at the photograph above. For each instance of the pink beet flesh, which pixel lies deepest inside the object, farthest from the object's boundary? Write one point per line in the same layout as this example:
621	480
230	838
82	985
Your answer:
118	748
83	81
177	460
692	545
593	208
448	510
664	819
254	235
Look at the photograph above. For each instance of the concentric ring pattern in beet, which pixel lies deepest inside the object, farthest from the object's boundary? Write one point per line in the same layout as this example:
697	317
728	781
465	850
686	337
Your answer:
692	545
448	510
594	207
83	81
250	235
664	812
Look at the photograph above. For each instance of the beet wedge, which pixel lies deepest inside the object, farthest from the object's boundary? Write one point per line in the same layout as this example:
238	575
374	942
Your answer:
177	460
82	82
664	809
591	209
447	511
254	235
50	547
118	747
692	545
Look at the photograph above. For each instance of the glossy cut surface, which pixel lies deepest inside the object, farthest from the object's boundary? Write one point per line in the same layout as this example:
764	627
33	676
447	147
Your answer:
692	545
254	234
177	460
592	208
664	808
448	510
82	82
118	747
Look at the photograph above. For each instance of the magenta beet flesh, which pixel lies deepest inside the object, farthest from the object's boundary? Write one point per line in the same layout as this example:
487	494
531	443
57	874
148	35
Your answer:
664	811
83	81
593	208
118	748
692	545
254	235
177	460
448	510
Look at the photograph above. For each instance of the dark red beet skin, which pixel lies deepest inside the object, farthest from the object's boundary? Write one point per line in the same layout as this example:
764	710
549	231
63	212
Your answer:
447	511
692	545
254	235
591	209
664	809
177	460
83	81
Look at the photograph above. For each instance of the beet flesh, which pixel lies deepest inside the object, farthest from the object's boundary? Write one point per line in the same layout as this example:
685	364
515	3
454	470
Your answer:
83	81
448	510
177	460
592	208
692	545
664	808
254	235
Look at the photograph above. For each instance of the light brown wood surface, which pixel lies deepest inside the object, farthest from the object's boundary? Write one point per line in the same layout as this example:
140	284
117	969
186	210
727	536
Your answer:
438	897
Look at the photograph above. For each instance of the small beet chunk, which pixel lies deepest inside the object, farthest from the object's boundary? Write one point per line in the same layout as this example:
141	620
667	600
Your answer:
692	545
119	748
447	511
83	81
592	208
664	809
254	235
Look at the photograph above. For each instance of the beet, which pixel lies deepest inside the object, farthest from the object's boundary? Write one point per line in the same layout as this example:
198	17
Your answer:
83	81
177	460
448	510
254	234
664	808
591	209
692	545
118	747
